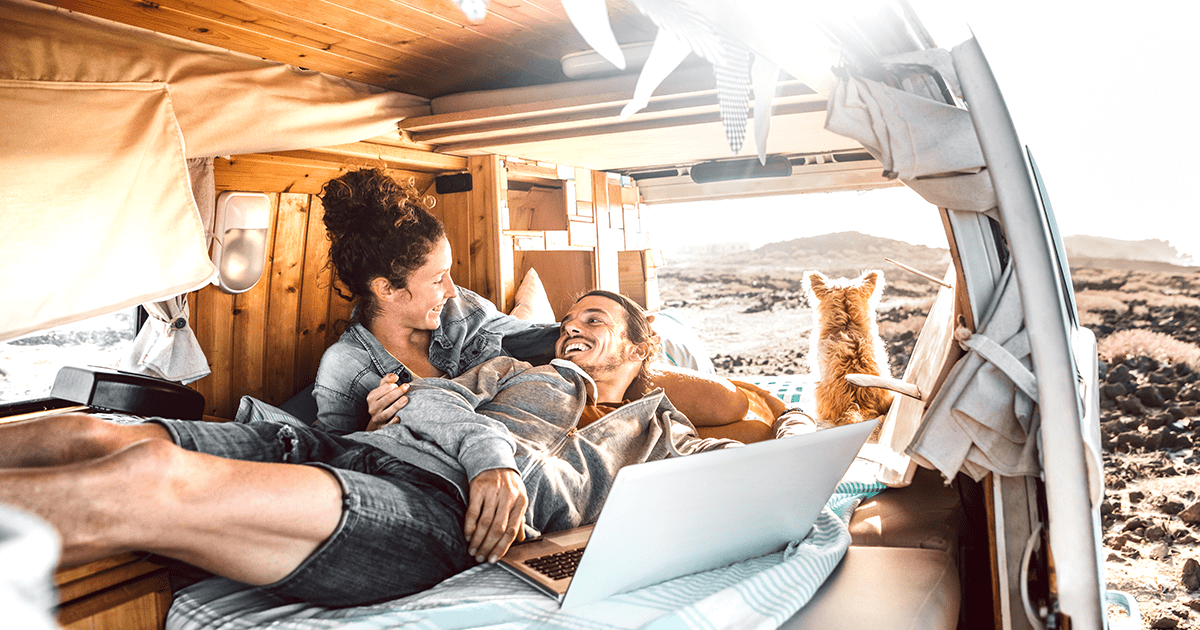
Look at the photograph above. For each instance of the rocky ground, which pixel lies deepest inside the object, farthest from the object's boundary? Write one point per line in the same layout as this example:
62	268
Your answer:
755	321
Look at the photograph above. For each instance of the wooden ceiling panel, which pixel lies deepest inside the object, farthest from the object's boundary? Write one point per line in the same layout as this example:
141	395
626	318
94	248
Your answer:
422	47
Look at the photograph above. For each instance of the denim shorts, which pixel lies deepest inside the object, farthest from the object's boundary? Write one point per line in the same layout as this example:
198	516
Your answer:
401	526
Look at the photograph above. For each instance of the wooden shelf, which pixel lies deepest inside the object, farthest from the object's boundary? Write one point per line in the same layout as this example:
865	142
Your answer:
121	592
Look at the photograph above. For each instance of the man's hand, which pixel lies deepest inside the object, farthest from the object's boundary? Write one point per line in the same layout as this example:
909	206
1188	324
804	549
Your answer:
495	513
384	401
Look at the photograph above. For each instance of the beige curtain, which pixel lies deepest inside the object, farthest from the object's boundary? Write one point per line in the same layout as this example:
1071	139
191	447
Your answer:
96	206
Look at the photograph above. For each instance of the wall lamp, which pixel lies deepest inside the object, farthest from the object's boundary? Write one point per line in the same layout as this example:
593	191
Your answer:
239	249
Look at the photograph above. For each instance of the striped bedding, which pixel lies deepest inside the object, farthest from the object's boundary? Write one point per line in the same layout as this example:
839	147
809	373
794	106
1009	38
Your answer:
757	593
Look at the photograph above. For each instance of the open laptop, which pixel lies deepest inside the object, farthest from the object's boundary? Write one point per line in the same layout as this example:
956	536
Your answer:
677	516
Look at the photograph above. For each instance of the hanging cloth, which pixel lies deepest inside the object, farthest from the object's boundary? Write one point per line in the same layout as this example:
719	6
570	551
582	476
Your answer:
984	418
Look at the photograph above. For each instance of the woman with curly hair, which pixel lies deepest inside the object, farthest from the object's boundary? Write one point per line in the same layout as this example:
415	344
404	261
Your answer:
410	320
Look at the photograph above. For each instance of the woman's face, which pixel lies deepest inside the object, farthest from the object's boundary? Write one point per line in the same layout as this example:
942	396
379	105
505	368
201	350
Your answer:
420	303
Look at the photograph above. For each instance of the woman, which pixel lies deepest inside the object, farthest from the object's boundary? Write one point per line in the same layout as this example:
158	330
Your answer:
411	321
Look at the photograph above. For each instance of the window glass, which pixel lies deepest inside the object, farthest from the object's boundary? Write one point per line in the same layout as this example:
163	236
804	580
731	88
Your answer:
29	364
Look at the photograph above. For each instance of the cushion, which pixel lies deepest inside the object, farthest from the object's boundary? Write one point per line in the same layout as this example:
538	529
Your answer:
531	302
878	588
924	515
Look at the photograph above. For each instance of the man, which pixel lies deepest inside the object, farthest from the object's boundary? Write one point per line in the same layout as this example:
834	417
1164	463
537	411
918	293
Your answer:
370	516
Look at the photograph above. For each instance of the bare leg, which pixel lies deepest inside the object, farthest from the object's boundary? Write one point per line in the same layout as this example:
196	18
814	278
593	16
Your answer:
67	439
248	521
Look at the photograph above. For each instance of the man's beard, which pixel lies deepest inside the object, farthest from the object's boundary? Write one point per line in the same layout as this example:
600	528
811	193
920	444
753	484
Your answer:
602	366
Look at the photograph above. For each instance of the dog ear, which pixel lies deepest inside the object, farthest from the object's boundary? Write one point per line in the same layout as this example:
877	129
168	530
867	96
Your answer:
870	281
814	284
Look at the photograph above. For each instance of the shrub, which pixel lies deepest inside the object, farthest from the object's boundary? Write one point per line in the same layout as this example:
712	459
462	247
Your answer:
1098	301
1126	344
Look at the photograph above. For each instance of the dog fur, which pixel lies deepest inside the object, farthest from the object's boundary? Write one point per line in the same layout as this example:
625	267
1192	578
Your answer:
845	340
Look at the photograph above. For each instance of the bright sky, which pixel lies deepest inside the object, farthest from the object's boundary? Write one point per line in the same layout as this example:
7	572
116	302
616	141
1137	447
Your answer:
1101	92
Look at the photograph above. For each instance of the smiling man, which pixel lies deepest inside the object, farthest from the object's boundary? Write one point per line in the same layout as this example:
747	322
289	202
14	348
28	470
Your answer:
469	465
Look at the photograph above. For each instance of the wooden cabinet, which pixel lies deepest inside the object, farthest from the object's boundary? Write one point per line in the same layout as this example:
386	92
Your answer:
572	225
122	592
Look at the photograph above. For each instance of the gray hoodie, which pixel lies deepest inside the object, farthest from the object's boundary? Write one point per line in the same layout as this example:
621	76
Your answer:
507	413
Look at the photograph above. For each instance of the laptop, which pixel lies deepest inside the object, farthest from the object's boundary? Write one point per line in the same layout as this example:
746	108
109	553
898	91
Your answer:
672	517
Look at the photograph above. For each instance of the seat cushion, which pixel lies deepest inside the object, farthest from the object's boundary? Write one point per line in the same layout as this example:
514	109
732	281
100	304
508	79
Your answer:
881	588
926	514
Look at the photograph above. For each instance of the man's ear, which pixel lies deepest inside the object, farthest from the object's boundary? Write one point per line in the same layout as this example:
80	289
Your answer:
638	352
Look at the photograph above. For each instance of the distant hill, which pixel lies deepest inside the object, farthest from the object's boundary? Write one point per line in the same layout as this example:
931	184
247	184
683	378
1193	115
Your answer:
841	253
1098	250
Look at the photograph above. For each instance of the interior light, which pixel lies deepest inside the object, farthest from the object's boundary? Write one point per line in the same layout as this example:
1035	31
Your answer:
240	248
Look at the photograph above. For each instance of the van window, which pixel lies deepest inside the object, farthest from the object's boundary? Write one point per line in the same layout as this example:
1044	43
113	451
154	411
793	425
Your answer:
28	364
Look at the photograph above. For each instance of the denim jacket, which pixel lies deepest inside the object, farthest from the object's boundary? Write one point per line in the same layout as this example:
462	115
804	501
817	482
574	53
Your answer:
509	414
471	332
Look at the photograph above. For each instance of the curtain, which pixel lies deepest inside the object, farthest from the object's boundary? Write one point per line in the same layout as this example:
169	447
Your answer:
96	205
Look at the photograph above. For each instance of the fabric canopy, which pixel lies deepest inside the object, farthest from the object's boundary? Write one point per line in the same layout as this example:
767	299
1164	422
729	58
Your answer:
97	210
227	103
96	206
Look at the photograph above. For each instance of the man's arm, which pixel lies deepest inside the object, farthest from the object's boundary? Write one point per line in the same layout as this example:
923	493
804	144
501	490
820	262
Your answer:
444	412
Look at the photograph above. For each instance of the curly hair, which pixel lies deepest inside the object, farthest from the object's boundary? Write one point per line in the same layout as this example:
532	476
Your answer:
377	229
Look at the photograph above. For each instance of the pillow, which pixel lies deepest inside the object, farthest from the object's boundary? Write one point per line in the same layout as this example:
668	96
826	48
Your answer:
531	302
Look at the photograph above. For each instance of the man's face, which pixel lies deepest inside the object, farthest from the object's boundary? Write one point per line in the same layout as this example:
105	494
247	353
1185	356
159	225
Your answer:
593	336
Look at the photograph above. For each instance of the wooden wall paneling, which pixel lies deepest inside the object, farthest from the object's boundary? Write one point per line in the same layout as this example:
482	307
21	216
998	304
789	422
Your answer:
607	241
340	310
250	330
488	203
213	320
274	173
283	305
456	213
315	286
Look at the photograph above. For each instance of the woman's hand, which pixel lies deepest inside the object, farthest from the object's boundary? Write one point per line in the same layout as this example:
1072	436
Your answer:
384	401
495	513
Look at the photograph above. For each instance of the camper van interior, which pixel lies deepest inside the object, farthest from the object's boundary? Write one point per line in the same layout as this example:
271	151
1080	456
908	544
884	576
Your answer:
170	154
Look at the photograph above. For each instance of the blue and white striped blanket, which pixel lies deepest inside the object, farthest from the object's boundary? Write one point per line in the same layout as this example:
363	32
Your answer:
758	593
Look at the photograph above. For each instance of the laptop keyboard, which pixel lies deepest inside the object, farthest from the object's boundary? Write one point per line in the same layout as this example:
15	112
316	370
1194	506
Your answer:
556	566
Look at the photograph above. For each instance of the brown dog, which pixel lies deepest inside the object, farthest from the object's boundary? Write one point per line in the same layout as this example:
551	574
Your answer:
845	340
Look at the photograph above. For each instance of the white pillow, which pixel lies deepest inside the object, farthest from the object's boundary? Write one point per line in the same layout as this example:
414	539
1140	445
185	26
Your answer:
531	301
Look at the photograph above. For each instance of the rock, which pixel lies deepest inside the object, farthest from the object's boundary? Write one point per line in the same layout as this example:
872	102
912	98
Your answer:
1189	574
1131	440
1157	420
1191	514
1120	374
1194	604
1136	496
1170	506
1110	391
1165	621
1155	532
1158	551
1149	396
1130	405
